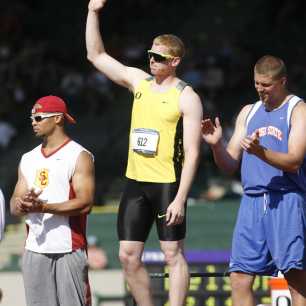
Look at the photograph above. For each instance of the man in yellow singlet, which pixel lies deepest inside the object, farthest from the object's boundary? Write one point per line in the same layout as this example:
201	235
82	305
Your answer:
163	156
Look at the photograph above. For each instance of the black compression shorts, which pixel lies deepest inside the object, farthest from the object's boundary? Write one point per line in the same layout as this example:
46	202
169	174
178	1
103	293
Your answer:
143	203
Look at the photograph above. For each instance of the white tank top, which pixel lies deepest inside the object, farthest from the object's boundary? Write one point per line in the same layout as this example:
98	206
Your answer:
48	233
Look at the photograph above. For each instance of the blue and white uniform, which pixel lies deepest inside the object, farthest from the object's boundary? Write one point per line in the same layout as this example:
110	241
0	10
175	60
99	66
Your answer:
269	235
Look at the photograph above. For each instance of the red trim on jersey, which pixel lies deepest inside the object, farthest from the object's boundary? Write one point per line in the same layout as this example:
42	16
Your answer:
78	227
27	229
87	292
56	150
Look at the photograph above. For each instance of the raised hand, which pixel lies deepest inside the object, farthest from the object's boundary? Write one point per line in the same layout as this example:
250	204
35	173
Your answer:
211	133
96	5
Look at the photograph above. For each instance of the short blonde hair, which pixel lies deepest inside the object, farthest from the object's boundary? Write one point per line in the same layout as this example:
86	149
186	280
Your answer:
174	44
271	65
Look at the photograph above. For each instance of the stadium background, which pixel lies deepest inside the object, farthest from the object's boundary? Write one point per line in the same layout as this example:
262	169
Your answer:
42	51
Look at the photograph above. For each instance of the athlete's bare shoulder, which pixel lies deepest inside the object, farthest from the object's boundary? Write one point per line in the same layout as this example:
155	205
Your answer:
189	99
301	105
244	112
298	112
188	91
137	75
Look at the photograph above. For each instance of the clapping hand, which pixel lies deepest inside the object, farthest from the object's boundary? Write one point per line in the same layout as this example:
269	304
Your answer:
211	132
30	202
251	143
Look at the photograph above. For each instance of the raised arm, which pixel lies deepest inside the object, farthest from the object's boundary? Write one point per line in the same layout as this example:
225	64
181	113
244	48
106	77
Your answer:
293	159
114	70
191	108
227	157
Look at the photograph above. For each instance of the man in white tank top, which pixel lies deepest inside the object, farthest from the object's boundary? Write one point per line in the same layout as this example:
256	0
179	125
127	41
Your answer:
54	192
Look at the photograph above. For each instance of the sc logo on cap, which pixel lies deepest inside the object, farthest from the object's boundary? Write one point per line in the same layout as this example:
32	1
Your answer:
36	107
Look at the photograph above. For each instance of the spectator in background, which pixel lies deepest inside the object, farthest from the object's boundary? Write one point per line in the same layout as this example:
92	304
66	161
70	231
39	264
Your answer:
5	57
72	83
193	74
97	258
2	214
213	77
7	133
134	50
97	93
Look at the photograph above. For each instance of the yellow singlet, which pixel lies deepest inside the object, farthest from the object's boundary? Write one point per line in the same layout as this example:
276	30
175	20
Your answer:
159	113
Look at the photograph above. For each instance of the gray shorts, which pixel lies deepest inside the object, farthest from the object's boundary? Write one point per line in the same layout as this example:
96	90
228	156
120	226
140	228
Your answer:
56	279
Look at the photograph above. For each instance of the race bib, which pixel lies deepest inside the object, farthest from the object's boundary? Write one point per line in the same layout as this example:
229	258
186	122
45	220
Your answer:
145	141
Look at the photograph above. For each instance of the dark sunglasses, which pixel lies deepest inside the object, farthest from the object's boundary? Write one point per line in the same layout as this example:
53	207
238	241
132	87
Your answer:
39	118
159	57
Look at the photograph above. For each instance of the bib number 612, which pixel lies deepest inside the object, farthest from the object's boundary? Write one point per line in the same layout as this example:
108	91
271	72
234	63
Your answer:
142	141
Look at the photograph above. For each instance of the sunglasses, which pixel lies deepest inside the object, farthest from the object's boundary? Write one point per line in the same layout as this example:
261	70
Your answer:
159	57
41	117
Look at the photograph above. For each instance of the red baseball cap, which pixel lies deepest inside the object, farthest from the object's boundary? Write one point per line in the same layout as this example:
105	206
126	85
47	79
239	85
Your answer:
52	104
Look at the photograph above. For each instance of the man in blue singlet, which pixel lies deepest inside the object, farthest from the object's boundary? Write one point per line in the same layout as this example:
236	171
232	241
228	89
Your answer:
269	138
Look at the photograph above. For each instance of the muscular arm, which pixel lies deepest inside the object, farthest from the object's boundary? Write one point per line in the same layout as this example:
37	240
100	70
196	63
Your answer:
292	160
228	157
120	74
191	108
83	184
20	190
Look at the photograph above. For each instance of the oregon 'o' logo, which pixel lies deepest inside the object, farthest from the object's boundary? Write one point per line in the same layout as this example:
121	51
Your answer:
138	95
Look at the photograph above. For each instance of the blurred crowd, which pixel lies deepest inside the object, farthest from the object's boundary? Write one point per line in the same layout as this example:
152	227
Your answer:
42	51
